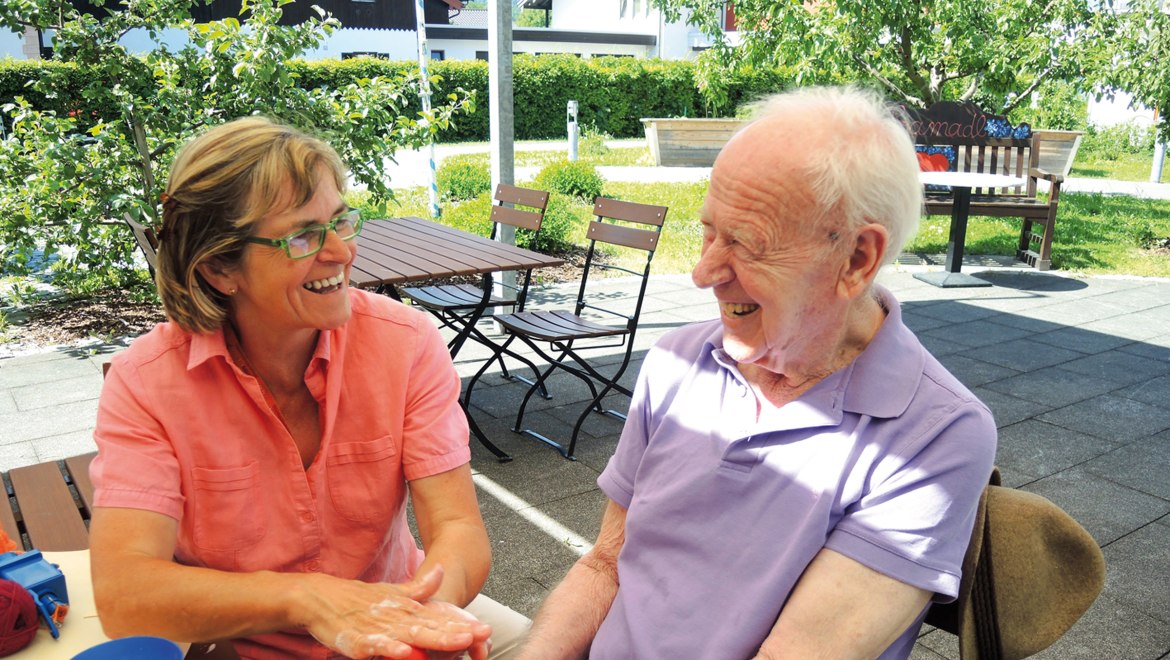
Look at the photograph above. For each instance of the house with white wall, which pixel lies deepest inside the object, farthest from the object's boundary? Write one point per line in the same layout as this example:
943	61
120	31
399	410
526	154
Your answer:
386	28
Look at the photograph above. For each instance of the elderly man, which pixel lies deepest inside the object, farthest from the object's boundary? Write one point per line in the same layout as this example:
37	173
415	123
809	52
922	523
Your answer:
798	478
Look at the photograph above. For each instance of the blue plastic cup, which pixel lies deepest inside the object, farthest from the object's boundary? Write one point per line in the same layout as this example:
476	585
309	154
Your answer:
133	648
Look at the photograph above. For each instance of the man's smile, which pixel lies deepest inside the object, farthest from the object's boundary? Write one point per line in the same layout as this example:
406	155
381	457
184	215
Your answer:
737	309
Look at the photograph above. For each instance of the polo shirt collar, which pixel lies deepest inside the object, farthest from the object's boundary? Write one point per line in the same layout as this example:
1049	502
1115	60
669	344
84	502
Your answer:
880	382
207	345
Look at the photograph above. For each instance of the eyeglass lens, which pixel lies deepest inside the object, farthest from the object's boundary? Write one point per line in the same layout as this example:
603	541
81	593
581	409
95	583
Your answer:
312	240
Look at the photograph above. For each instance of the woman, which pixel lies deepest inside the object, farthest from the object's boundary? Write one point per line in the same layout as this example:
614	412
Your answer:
255	451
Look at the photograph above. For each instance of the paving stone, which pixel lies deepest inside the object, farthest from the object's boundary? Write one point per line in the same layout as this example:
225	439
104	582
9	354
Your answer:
18	454
1143	465
923	652
955	312
972	372
1111	629
978	333
1107	510
1155	391
17	373
1132	559
1080	340
1043	449
34	424
1119	367
1023	354
920	323
1111	417
1052	386
1008	409
1155	348
7	403
940	346
1138	327
52	393
56	447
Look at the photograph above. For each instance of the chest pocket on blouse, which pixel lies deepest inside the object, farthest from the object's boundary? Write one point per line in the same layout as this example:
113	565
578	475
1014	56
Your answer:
225	508
364	478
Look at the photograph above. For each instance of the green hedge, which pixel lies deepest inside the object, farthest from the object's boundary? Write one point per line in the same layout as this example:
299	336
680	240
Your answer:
613	93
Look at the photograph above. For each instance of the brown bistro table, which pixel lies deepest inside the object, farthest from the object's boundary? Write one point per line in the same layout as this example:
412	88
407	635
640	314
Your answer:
398	251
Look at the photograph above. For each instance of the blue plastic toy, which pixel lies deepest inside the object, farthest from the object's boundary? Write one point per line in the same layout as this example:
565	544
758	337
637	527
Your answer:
43	580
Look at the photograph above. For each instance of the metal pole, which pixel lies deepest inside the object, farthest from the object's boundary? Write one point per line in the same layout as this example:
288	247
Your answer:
501	113
1159	152
572	129
424	93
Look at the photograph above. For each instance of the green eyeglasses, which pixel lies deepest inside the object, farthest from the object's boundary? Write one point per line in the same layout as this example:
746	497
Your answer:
309	241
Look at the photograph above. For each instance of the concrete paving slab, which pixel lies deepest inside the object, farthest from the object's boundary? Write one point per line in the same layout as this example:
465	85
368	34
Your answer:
1043	449
1110	417
1052	387
1119	367
1107	510
1132	559
1141	465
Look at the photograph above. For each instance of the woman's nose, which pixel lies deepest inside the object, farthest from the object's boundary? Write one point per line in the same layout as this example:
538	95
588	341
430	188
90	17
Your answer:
336	249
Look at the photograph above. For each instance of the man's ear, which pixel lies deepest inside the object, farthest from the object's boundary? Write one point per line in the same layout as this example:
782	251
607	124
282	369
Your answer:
864	260
221	278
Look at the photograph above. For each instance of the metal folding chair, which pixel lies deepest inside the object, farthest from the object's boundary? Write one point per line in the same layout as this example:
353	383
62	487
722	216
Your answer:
569	332
457	305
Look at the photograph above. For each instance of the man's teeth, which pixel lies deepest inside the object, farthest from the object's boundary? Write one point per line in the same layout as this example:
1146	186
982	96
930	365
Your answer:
317	285
738	309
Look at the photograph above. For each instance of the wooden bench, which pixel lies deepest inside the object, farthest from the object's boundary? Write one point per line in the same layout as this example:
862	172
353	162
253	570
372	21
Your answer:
48	507
961	137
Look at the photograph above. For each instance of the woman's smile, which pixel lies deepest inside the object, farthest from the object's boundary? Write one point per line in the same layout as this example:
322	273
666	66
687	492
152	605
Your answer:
326	285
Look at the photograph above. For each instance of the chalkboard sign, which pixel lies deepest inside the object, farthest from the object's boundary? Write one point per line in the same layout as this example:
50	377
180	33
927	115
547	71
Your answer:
948	122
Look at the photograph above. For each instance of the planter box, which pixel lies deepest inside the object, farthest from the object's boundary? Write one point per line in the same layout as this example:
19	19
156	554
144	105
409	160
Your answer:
688	142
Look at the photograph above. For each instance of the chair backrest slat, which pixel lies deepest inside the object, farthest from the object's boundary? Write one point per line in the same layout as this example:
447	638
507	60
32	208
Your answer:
642	239
537	199
517	218
646	214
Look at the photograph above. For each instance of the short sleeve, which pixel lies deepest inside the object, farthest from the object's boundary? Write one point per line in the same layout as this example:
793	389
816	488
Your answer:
617	480
136	466
434	429
915	522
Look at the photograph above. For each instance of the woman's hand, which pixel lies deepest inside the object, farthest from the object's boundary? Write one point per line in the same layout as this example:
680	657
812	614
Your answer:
362	620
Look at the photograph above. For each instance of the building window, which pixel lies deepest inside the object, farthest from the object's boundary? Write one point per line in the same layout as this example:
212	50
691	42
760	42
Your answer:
481	55
438	54
622	5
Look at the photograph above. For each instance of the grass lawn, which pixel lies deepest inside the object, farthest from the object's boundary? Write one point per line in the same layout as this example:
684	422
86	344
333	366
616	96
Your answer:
1095	234
1127	167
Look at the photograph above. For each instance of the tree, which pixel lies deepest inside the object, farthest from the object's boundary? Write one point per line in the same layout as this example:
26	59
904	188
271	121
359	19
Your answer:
921	51
1137	59
111	153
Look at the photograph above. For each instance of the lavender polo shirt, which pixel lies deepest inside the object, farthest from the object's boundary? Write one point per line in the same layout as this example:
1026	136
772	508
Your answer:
883	462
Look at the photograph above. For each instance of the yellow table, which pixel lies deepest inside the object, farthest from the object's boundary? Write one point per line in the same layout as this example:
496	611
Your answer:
81	629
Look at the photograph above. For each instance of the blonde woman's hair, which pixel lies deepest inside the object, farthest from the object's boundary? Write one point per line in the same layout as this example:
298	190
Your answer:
221	184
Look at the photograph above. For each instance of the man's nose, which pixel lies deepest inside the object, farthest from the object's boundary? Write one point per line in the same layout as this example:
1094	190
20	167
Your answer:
711	270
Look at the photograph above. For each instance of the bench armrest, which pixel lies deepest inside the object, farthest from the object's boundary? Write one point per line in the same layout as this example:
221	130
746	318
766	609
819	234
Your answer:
1046	175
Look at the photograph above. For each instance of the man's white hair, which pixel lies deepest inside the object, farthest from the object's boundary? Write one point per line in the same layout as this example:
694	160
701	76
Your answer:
862	162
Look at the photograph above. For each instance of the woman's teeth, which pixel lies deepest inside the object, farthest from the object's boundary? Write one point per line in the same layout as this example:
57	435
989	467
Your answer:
738	309
317	285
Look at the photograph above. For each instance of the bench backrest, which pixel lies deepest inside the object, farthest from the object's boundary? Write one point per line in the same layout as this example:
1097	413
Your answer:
962	138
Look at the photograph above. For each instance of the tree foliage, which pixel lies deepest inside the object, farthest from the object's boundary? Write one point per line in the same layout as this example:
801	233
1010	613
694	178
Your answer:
71	176
921	51
1137	60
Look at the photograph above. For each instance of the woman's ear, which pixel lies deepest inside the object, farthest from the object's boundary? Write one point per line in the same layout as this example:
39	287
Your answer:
220	278
864	261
